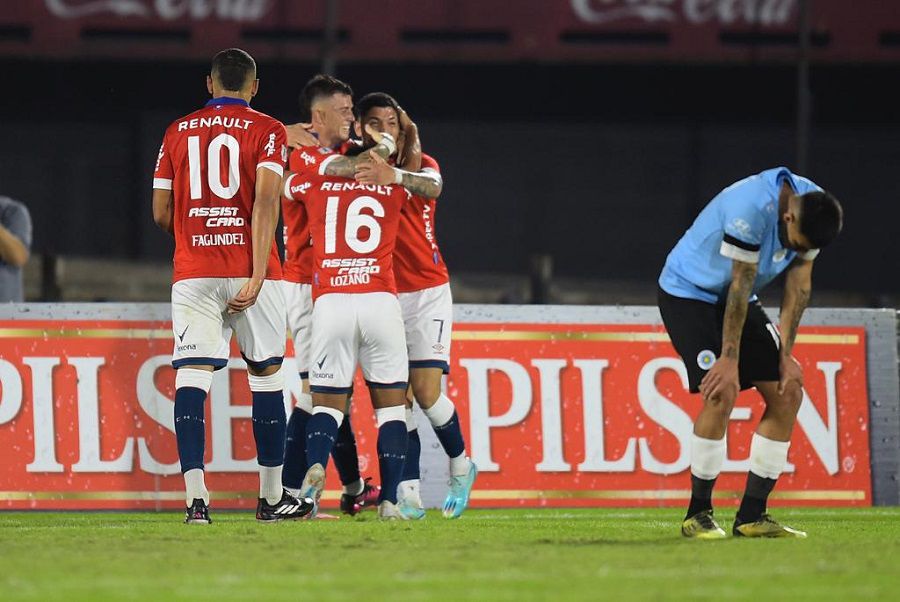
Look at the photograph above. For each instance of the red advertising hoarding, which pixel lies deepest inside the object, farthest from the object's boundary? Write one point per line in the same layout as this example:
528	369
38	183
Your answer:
558	415
461	30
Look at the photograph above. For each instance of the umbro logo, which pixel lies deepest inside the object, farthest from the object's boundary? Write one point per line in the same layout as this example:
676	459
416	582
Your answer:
321	362
183	332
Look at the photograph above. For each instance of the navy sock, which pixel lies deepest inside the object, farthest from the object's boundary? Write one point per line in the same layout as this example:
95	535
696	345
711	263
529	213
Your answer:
268	427
701	495
392	442
450	436
190	431
413	452
321	432
346	458
295	449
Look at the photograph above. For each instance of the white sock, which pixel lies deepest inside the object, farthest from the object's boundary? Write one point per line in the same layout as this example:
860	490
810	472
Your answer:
270	483
768	457
459	465
441	412
355	488
292	491
409	491
195	486
410	421
707	456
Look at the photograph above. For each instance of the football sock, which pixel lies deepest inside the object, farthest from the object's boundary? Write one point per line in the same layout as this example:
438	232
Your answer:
354	488
195	486
295	450
410	492
346	458
767	460
413	453
268	431
413	448
753	504
270	483
321	432
392	443
443	418
707	456
191	387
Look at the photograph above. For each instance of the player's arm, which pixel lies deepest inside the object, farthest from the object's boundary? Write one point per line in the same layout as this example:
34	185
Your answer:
263	222
343	166
723	376
797	290
15	239
426	183
409	153
163	209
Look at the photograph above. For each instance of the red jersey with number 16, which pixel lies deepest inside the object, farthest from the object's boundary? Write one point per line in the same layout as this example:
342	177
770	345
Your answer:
208	159
354	231
298	253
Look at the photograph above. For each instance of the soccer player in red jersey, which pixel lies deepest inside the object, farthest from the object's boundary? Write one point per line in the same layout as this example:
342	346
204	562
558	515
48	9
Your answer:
356	317
326	104
216	189
424	291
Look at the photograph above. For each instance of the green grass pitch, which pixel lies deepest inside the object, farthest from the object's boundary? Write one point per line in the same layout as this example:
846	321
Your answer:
559	554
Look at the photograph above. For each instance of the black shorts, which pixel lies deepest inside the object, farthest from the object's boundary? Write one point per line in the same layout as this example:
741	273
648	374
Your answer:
695	328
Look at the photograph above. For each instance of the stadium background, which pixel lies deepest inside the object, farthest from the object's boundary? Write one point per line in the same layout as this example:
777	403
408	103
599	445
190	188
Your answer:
578	138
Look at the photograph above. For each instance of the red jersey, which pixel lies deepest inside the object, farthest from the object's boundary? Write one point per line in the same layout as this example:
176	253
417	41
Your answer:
209	160
353	228
418	263
298	255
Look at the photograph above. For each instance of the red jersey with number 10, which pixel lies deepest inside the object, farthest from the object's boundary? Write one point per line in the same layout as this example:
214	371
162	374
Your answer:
354	231
208	159
418	263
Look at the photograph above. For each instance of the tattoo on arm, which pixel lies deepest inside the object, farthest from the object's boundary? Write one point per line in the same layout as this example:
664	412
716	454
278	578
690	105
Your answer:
423	184
797	291
346	166
742	277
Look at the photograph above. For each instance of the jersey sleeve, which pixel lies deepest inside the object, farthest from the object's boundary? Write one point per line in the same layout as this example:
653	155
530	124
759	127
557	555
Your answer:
296	185
428	163
18	221
164	172
743	232
273	149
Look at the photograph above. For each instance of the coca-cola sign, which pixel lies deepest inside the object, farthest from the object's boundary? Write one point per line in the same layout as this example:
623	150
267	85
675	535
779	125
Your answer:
168	10
723	12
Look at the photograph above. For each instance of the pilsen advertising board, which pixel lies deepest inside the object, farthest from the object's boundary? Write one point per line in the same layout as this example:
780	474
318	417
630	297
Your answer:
560	30
554	415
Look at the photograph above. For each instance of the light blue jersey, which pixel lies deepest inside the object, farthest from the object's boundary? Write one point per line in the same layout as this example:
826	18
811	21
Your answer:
740	223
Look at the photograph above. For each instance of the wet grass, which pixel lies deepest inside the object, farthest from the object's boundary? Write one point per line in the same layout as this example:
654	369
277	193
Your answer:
614	554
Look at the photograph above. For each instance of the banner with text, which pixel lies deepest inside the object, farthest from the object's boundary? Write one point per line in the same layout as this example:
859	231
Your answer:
553	414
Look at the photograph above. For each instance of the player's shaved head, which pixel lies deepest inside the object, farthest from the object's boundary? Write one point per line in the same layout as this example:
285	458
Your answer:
320	88
821	218
233	69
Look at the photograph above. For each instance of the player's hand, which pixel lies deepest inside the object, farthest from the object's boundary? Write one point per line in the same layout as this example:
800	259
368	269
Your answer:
791	373
375	134
246	297
405	121
375	170
721	381
300	134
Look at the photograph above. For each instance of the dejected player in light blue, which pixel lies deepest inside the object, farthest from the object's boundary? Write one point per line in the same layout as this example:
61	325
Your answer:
747	235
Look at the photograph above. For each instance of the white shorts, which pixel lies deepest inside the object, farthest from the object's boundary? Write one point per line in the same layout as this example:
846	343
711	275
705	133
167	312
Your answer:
298	299
428	322
362	327
203	327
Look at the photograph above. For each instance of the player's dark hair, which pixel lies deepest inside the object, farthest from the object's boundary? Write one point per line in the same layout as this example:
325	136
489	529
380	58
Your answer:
232	68
320	86
375	99
821	218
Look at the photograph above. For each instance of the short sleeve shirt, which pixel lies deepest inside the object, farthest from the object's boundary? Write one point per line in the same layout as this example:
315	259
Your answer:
209	159
740	223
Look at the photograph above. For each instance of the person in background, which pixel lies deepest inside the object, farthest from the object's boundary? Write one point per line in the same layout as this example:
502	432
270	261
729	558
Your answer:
15	248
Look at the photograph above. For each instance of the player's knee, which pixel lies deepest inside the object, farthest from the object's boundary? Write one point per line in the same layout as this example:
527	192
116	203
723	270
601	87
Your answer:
722	404
265	371
787	403
426	391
